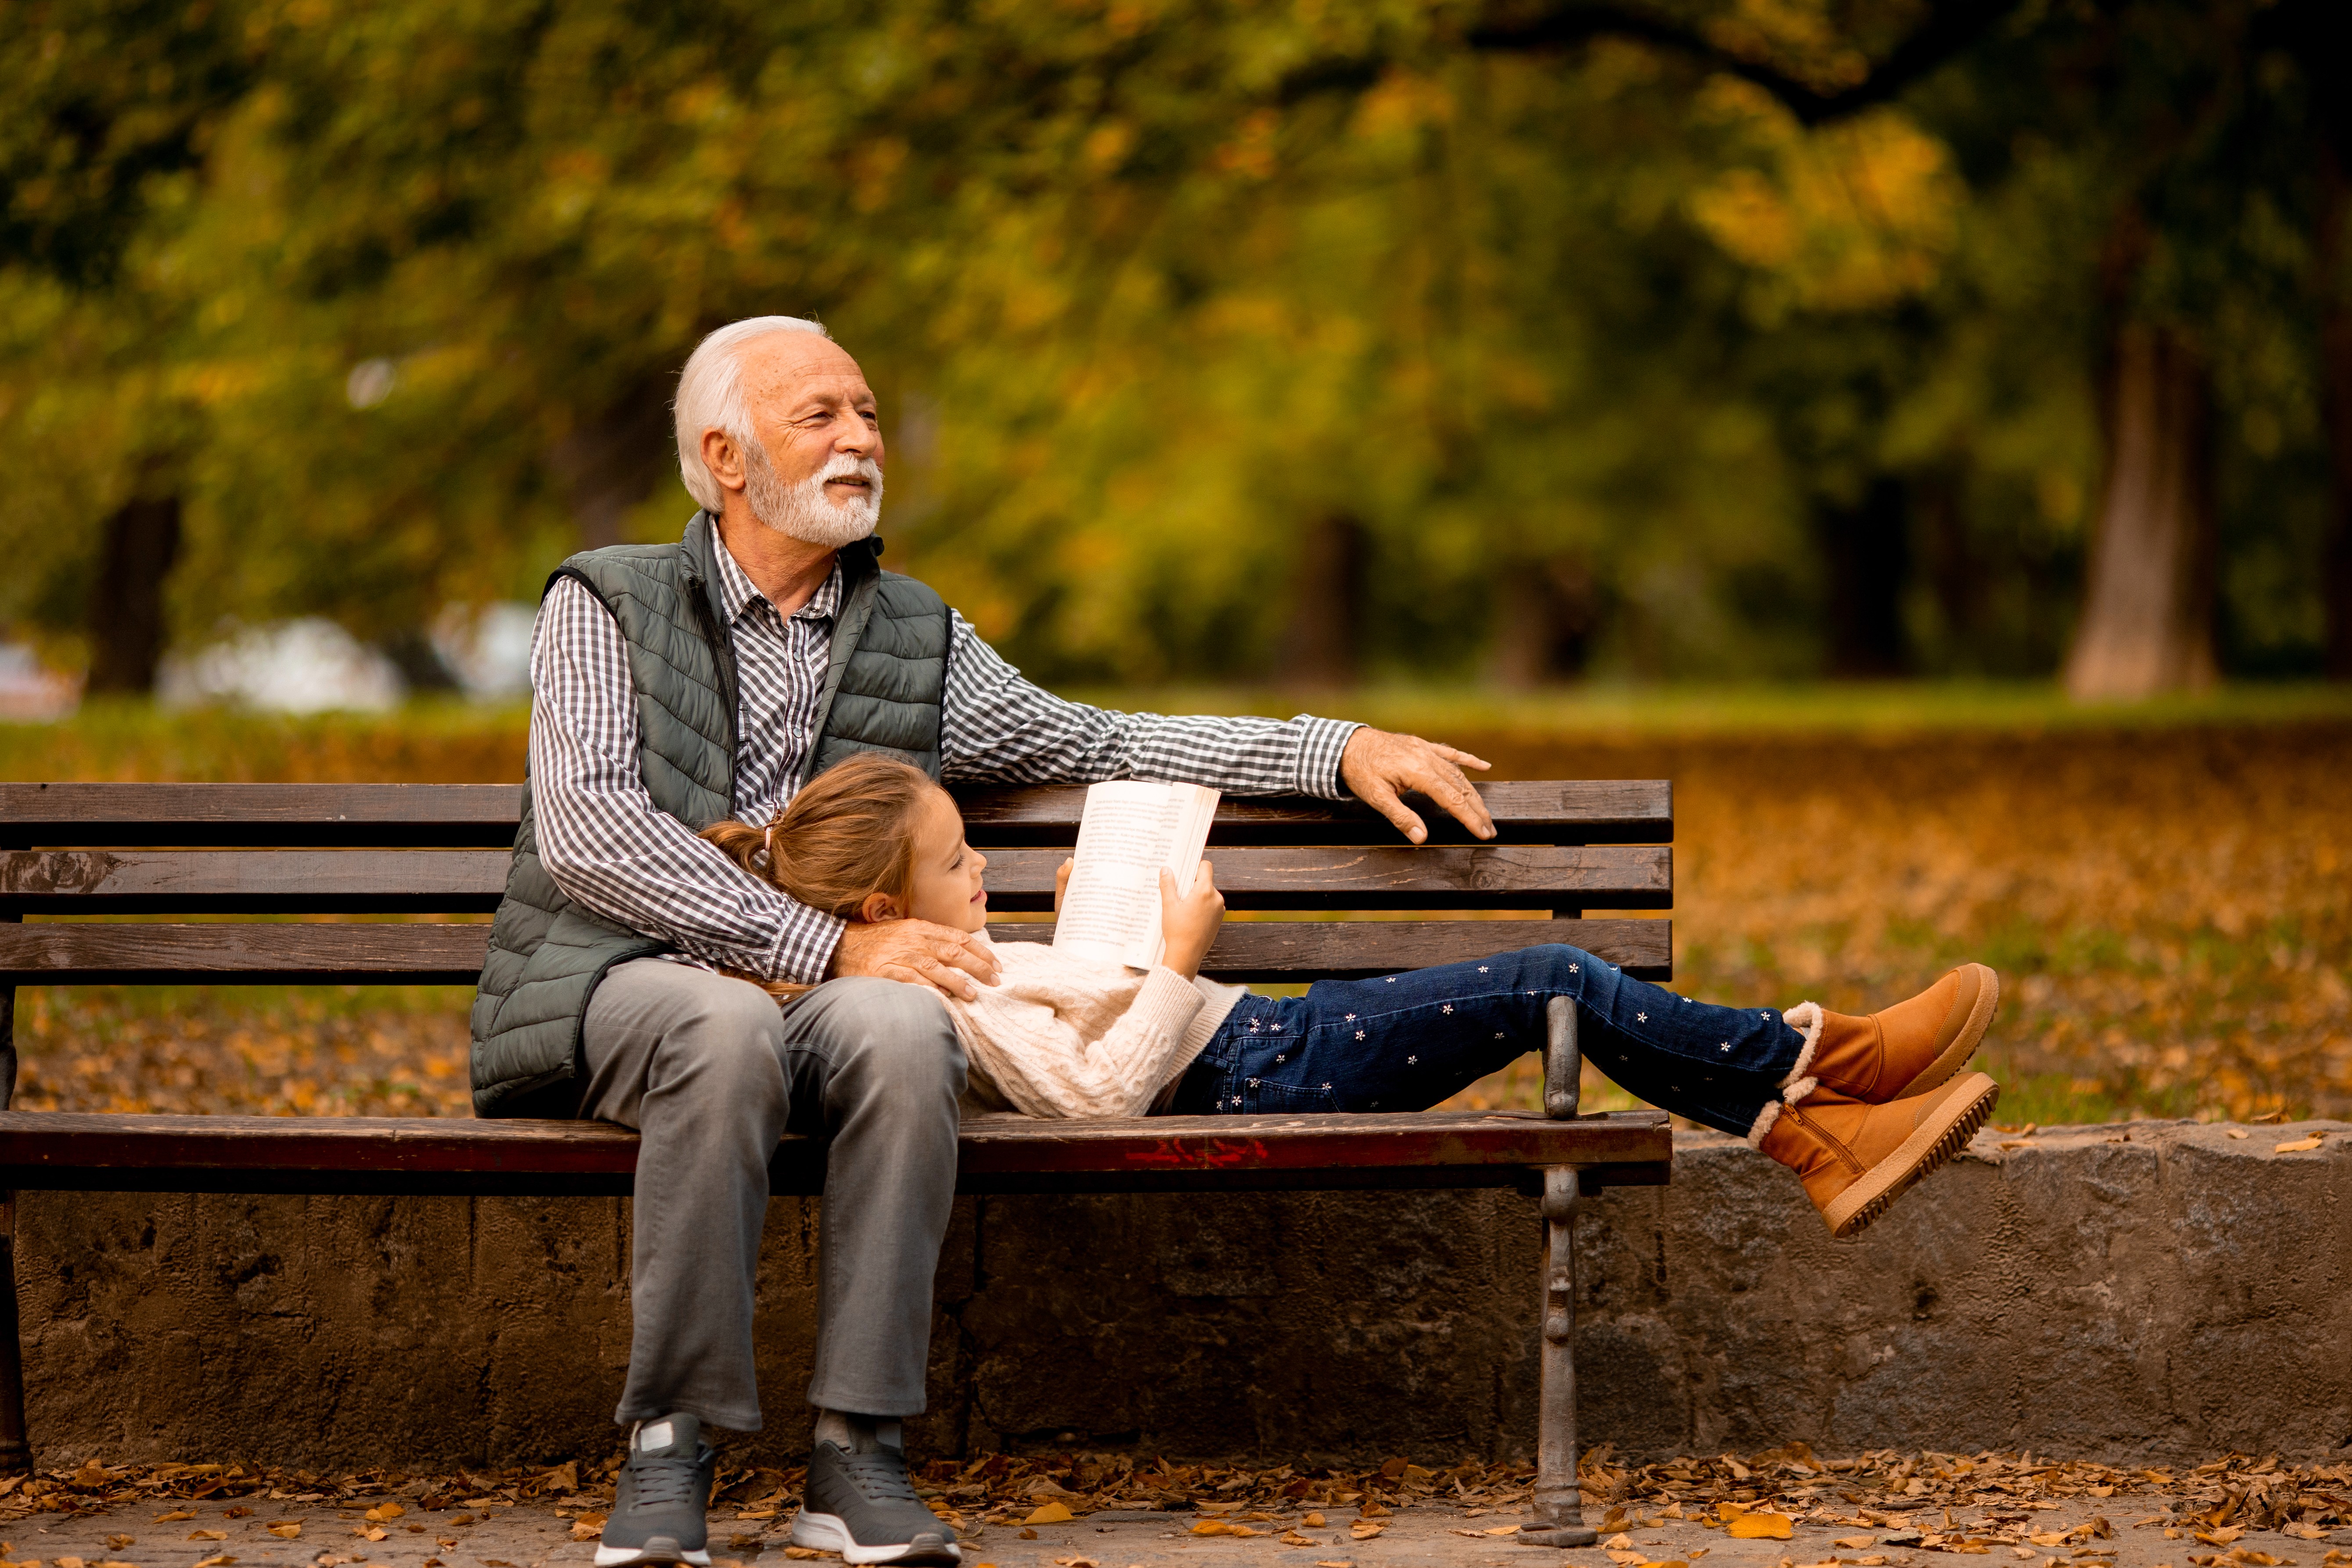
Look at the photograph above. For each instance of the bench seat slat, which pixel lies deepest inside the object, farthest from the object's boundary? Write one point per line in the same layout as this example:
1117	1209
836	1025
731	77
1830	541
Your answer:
59	1151
450	881
446	954
458	815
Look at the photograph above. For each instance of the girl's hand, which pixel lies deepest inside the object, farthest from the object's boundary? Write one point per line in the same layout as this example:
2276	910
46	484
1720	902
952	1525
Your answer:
1190	921
1061	884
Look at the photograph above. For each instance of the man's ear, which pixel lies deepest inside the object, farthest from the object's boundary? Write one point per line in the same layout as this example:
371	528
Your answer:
877	907
724	458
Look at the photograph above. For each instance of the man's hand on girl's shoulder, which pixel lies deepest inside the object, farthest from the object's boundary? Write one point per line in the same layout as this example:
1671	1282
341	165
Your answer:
917	953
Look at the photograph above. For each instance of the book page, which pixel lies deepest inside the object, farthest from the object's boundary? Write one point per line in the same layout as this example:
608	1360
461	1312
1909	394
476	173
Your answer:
1129	830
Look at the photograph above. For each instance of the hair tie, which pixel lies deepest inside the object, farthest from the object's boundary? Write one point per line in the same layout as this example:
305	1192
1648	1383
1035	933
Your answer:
767	842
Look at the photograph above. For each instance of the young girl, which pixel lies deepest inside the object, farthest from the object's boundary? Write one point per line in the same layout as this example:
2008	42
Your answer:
1859	1107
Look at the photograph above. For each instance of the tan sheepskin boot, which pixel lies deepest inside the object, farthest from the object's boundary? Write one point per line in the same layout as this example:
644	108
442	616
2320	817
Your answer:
1855	1159
1906	1050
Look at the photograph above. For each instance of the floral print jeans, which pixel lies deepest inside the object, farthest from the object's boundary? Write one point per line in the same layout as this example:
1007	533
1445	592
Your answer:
1404	1042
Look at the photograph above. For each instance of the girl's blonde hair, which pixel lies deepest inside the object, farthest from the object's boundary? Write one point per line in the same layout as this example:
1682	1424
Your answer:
848	835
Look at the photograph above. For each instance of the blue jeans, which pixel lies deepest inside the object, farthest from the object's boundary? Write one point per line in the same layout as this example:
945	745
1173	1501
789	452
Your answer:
1407	1041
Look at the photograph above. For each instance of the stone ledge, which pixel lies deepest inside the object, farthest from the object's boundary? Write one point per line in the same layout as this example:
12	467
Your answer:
2153	1290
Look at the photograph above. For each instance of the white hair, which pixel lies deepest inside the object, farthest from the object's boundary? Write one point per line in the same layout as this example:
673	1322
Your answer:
711	398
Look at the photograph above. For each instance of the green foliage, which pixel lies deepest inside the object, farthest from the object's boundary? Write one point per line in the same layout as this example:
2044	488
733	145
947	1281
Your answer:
392	292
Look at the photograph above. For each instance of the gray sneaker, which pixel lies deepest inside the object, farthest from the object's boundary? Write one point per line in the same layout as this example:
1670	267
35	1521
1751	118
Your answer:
864	1507
661	1507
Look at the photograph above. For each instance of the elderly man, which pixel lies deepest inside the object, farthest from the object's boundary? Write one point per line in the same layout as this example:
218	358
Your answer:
677	684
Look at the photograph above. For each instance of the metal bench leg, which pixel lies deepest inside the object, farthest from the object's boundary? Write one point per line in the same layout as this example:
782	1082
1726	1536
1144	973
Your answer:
15	1451
1559	1500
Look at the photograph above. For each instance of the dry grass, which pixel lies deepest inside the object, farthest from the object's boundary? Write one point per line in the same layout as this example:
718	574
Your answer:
2168	907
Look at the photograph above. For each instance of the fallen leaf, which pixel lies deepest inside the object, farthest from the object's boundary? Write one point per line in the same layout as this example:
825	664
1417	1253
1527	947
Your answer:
173	1517
1209	1527
220	1560
385	1511
208	1535
119	1543
2258	1559
2240	1133
1292	1538
1854	1543
1312	1521
2299	1146
1028	1535
290	1531
1617	1543
1502	1530
462	1519
2221	1537
1078	1563
1363	1530
1049	1513
802	1554
2048	1538
583	1531
1760	1527
1480	1535
1338	1562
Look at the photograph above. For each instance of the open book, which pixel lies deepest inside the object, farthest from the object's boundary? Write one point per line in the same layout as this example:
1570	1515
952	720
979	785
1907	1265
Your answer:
1129	830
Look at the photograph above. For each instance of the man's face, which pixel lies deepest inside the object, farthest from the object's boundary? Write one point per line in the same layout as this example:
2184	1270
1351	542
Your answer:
819	477
809	403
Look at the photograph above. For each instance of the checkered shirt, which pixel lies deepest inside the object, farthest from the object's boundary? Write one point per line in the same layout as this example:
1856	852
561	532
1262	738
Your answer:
616	854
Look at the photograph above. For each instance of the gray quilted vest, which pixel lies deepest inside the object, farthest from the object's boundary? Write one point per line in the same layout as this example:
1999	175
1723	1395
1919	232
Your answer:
882	693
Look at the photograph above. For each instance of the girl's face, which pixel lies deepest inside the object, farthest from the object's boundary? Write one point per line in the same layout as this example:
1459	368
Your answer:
944	885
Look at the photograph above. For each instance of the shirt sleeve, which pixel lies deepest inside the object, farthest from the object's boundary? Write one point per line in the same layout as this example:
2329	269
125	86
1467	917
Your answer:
998	727
603	841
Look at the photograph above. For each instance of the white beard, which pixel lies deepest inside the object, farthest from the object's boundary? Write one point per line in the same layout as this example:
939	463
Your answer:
803	510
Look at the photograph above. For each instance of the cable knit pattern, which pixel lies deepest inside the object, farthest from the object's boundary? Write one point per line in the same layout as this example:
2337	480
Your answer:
1062	1037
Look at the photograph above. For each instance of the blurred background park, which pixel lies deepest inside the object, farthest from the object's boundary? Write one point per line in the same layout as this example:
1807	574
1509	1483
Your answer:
1920	428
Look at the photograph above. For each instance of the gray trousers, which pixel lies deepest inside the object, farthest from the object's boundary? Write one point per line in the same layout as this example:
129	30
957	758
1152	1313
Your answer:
713	1072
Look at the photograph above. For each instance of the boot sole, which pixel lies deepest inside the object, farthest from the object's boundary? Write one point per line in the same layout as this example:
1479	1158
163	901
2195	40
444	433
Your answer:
1936	1140
1955	1056
829	1533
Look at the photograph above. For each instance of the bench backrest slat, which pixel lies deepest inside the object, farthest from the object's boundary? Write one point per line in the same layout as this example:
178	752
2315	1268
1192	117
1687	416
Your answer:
307	881
317	816
382	952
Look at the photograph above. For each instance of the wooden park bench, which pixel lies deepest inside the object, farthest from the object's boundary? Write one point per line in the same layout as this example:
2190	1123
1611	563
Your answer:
250	855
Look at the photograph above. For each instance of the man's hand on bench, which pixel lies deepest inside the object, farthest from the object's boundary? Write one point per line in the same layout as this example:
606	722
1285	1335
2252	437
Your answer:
1378	767
917	953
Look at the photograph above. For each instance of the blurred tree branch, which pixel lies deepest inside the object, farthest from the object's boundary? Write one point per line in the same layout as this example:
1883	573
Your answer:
1950	27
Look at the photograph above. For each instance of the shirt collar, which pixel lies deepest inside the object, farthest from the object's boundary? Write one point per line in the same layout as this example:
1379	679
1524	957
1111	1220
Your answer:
738	593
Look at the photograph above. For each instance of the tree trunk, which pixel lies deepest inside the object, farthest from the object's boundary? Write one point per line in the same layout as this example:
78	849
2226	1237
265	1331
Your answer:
610	463
1867	546
1545	612
2335	401
2148	608
1322	646
126	603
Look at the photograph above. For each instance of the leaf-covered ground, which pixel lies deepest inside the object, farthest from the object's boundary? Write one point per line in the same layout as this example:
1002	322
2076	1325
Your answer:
1932	1502
2168	906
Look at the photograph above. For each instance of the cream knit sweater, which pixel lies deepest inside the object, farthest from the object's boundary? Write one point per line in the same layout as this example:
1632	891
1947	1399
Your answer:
1062	1037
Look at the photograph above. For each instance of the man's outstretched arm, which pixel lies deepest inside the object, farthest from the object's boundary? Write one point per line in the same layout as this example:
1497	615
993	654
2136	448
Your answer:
998	727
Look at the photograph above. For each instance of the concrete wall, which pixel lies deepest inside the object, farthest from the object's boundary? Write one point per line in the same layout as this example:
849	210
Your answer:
2162	1290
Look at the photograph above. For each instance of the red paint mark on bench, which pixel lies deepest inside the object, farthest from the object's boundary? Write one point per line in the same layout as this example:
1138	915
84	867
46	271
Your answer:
1214	1153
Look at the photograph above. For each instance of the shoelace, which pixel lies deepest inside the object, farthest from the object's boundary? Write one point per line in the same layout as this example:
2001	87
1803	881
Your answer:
879	1477
665	1480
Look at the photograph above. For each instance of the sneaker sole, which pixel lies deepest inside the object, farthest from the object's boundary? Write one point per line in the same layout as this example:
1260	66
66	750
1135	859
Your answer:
660	1549
1955	1056
1936	1140
827	1533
